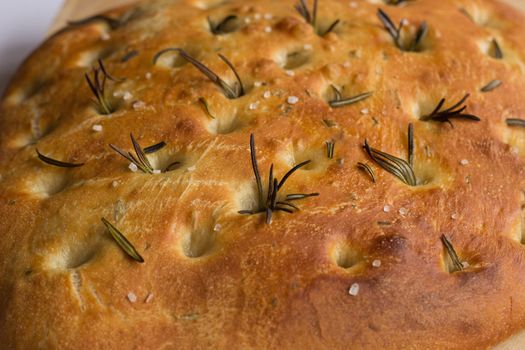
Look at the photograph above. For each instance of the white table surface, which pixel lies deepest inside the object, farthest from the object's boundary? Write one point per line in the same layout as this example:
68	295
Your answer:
23	25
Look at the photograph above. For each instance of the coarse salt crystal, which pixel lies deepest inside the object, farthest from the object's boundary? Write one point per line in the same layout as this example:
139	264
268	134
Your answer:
267	94
403	211
105	36
268	16
97	127
127	96
293	100
463	162
156	171
353	4
132	297
308	46
133	167
465	264
387	208
364	111
253	106
192	168
346	64
118	93
354	289
454	216
149	298
138	105
257	83
114	184
247	20
290	73
148	75
376	263
217	227
257	16
267	29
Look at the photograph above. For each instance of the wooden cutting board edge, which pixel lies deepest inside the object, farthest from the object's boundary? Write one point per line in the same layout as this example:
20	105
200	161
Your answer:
76	9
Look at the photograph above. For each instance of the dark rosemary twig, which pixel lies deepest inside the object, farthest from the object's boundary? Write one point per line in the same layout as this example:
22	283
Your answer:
155	148
272	203
411	145
398	167
129	56
330	146
113	23
97	85
366	168
139	159
396	2
395	32
454	112
338	100
230	91
458	266
497	53
310	16
57	163
491	86
515	122
122	241
222	26
206	106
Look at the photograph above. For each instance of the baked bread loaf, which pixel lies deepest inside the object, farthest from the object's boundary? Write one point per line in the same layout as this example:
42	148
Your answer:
358	185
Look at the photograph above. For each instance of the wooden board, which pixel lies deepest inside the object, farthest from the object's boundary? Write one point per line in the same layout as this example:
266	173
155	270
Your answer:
76	9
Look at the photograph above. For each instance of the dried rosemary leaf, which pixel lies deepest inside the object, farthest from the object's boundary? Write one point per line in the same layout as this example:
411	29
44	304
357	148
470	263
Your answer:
57	163
122	241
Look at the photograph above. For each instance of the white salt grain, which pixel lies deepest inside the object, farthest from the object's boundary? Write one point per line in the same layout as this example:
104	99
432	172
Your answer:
387	208
156	171
192	168
148	76
253	106
454	216
97	127
463	162
257	83
114	184
290	73
267	94
133	167
257	16
127	96
354	289
268	29
376	263
149	298
308	46
268	16
138	105
403	211
293	100
365	111
217	227
132	297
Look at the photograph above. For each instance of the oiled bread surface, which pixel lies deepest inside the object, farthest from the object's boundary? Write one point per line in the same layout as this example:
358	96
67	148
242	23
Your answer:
214	278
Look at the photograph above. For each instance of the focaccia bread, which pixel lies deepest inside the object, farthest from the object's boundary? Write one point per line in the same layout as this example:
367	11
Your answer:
359	185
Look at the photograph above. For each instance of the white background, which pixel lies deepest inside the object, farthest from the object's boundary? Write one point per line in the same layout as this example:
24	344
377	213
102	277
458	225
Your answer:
23	25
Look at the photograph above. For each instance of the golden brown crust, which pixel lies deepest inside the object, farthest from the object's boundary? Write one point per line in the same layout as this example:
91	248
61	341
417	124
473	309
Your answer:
215	278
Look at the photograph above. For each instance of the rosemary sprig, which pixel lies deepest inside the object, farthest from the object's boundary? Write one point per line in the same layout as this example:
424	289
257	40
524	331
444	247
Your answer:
458	266
155	148
412	45
274	185
366	168
515	122
206	106
330	147
395	2
113	23
491	85
496	52
128	56
57	163
339	101
97	85
398	167
122	241
310	16
231	91
454	112
222	27
139	159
